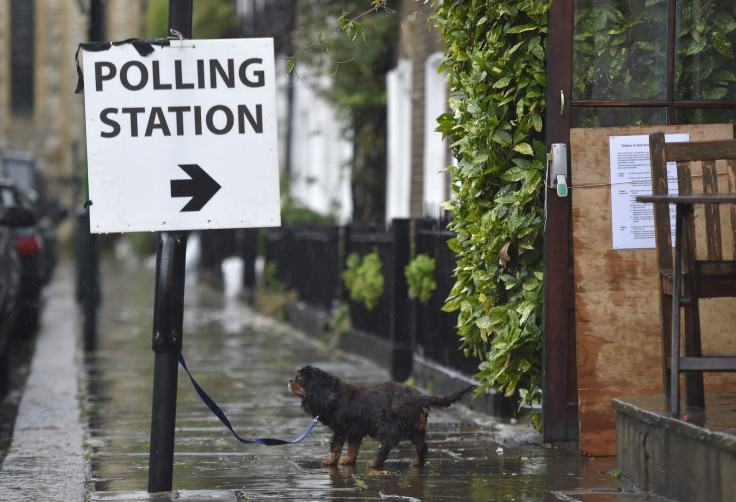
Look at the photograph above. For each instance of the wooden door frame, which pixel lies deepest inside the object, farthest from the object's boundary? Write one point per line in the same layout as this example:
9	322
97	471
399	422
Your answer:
560	404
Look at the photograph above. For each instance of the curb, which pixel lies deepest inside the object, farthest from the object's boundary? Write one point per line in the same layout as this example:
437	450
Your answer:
46	455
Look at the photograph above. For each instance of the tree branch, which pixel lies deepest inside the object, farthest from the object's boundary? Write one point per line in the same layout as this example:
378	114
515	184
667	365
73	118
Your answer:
345	25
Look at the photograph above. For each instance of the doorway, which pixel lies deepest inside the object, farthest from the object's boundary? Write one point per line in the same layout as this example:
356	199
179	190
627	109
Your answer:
620	63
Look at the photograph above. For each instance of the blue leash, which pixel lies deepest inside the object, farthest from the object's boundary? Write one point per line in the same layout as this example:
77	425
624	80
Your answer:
217	411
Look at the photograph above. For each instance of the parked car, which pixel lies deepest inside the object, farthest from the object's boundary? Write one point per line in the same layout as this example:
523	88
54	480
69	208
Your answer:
29	245
20	167
11	217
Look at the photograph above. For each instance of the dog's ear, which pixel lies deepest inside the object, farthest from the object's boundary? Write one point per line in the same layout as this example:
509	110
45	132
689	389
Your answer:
318	378
321	387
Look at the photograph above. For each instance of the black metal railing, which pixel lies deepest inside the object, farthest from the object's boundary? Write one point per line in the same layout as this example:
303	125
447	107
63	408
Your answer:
310	260
436	337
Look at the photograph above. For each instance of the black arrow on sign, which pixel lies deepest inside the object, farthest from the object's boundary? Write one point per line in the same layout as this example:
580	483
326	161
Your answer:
200	187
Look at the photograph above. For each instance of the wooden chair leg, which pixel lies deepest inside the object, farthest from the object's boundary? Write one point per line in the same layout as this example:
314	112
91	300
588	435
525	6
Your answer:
666	340
694	391
675	335
675	358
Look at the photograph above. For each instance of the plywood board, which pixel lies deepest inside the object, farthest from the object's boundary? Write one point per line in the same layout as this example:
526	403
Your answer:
616	299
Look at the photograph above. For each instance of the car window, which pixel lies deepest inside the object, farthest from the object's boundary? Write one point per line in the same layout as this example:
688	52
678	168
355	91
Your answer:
2	202
7	199
21	173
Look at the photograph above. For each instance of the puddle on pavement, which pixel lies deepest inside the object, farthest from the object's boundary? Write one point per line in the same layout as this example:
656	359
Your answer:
244	360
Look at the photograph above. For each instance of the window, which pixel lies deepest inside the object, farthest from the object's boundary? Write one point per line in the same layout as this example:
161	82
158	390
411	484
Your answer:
22	36
436	150
399	87
647	62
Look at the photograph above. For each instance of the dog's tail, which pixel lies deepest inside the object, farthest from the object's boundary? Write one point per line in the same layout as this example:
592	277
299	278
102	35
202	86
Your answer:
436	402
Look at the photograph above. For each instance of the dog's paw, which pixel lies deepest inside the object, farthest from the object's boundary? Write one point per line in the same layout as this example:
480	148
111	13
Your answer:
375	464
329	462
347	461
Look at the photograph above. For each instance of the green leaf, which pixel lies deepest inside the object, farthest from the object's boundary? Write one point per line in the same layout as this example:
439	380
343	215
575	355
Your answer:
725	76
696	46
722	45
514	174
715	94
481	157
524	148
454	245
536	120
522	28
502	82
525	310
483	322
502	137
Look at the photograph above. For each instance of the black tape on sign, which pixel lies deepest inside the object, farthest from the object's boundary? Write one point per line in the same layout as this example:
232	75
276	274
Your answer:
143	47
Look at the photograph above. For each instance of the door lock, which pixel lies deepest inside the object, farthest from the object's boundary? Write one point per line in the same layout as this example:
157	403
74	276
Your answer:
557	162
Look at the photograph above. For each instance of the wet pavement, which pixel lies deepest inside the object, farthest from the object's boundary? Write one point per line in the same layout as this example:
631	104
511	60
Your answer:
244	359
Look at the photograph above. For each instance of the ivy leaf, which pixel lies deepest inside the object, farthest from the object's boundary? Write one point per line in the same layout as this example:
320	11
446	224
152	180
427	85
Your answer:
524	149
452	304
722	45
715	94
531	283
696	47
522	28
514	174
536	120
454	245
502	82
483	322
502	137
498	315
725	76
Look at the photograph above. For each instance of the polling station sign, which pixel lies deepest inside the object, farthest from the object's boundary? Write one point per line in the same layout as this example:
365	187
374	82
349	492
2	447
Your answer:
181	135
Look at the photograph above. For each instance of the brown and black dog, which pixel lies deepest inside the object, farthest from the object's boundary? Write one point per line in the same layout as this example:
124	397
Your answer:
388	412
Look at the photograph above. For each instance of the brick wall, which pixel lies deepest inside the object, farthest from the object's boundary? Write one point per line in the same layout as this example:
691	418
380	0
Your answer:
418	40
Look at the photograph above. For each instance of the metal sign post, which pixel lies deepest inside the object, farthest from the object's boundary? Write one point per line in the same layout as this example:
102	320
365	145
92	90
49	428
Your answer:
167	342
168	318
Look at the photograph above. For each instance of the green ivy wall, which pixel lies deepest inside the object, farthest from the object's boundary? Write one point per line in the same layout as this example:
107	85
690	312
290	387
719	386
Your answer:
495	56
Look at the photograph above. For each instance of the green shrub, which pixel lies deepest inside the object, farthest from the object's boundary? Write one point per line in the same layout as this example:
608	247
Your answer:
420	277
364	278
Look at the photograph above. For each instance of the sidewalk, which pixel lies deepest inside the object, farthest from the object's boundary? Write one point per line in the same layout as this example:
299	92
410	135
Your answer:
46	459
244	360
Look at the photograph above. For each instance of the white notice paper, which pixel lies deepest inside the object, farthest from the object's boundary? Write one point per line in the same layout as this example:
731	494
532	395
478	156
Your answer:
633	222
